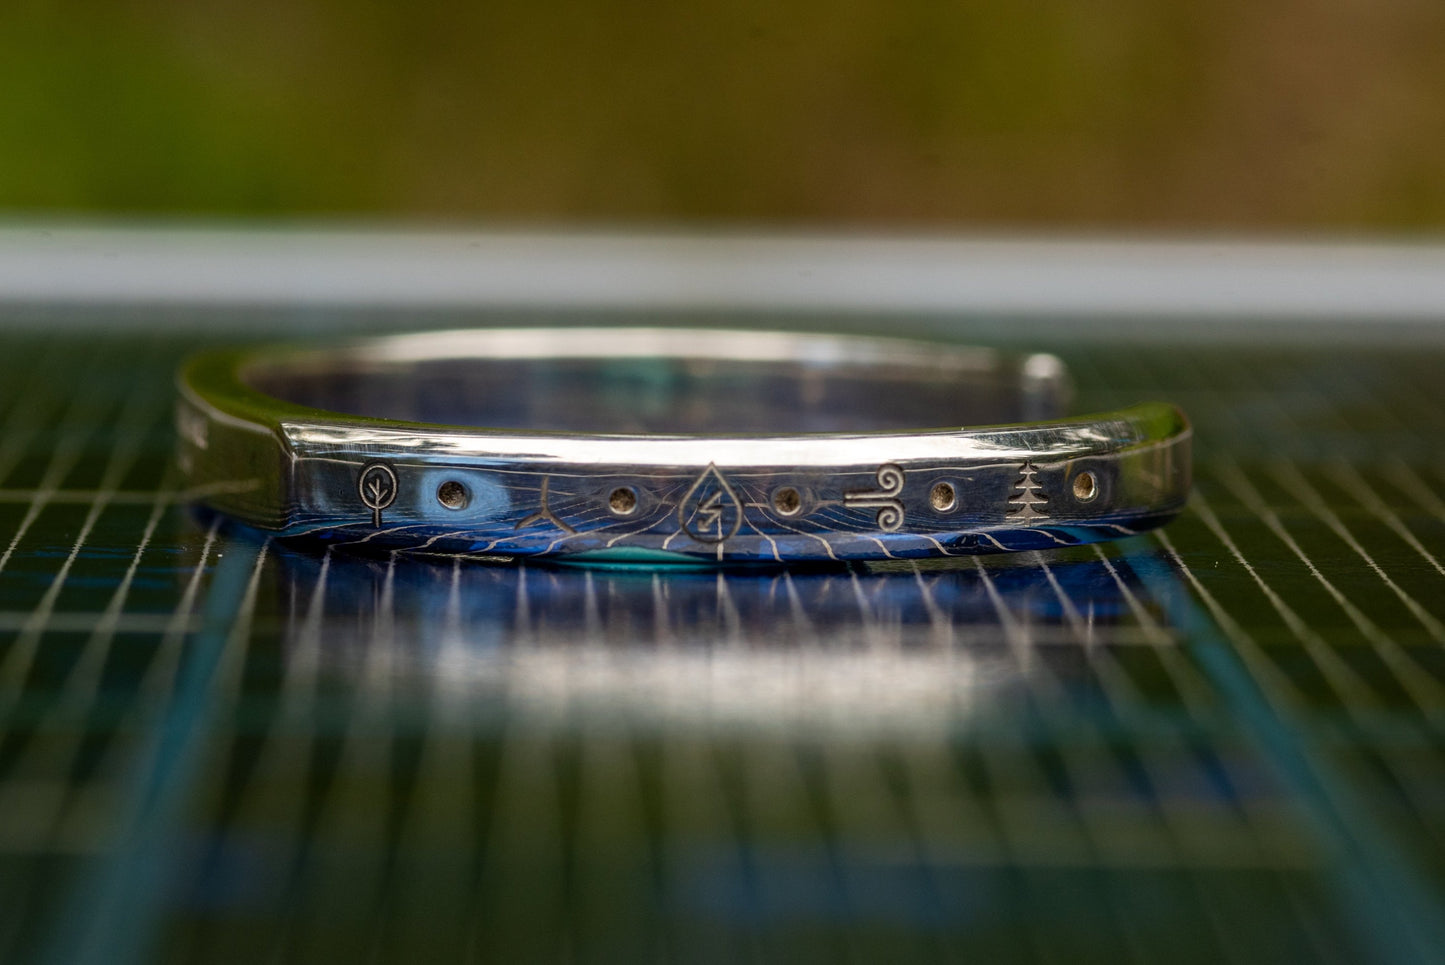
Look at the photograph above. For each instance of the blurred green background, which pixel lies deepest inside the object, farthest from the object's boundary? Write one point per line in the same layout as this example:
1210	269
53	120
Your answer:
1207	114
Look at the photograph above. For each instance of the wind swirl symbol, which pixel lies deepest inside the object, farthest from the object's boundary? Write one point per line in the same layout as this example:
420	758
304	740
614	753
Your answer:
884	498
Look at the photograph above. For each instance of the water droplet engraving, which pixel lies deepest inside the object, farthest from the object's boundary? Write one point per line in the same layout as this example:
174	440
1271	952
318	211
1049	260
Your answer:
710	512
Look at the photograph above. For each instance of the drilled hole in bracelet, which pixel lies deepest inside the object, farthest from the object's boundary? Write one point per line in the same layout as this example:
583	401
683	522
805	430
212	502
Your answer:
943	497
1086	487
622	501
453	495
787	502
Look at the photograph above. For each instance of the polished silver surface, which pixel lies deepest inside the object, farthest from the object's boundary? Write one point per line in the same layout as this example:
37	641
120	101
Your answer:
669	445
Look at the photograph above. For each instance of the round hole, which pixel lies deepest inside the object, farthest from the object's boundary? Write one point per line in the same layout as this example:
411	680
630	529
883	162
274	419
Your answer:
787	501
1086	487
943	497
453	495
622	501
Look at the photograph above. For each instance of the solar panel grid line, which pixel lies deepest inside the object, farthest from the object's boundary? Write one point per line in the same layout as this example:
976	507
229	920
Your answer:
335	769
439	837
941	631
1260	668
83	622
875	849
701	843
1029	807
592	630
119	497
1178	826
69	434
732	636
1409	482
523	630
891	776
1351	481
1143	830
1426	692
1289	474
240	808
1421	401
377	750
803	626
1398	800
1118	688
15	665
1045	690
1324	943
783	806
873	635
452	615
522	882
1362	863
26	415
1013	632
1350	690
1222	467
1032	864
850	850
1165	742
675	919
964	833
117	909
1280	692
1365	833
790	832
1151	627
292	822
1193	691
1104	661
614	896
303	659
1121	693
158	682
1371	500
56	742
367	745
1283	856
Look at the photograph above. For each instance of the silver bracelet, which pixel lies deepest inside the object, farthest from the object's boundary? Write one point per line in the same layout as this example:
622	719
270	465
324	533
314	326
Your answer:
668	445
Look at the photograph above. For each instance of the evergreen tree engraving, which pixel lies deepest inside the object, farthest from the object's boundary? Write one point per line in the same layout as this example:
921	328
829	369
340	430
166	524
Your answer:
1026	504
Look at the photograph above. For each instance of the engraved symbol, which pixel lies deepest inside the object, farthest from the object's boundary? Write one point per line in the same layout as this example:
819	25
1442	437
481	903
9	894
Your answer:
884	498
377	488
545	512
1029	496
710	512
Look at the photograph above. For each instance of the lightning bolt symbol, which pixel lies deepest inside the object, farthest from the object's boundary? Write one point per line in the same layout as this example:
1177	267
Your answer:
711	512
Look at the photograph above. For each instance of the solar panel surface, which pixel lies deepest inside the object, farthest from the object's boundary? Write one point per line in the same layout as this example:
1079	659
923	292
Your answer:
1219	742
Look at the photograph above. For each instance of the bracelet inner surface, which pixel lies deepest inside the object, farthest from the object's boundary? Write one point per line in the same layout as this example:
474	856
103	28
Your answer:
560	387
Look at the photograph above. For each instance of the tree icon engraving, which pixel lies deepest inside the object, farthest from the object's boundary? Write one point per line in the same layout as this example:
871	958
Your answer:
1028	496
377	488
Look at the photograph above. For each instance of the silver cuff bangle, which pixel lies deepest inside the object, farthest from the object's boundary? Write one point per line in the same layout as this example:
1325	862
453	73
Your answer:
670	445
